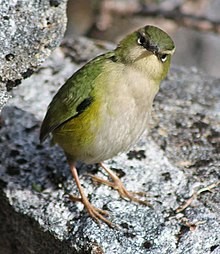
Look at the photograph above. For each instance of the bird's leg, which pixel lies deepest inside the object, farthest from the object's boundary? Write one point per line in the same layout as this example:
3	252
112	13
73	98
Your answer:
95	213
119	186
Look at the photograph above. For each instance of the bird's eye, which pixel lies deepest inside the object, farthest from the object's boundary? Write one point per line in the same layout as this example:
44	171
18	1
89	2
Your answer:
163	58
141	40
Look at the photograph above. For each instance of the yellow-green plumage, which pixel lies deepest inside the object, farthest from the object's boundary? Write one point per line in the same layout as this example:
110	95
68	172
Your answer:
105	106
79	132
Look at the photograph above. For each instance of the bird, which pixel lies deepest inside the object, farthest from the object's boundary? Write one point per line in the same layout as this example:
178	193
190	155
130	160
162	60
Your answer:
105	106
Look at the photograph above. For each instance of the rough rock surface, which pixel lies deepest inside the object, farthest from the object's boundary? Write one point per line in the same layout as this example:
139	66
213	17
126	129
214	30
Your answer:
29	31
179	156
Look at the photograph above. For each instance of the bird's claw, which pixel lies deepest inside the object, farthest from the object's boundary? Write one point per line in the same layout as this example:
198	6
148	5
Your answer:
123	192
96	213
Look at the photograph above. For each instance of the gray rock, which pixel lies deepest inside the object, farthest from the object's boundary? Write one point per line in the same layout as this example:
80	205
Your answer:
179	156
29	31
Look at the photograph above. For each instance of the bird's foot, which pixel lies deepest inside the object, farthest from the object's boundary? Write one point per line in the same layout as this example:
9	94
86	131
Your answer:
96	213
119	186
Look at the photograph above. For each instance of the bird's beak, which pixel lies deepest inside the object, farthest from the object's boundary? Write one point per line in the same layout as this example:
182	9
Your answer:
152	48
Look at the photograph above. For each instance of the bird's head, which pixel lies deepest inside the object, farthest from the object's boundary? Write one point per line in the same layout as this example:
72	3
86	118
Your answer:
149	49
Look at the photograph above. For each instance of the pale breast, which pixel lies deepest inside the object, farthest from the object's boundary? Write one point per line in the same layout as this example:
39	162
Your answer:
125	113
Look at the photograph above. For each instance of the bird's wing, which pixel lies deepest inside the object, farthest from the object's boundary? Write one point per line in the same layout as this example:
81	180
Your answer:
73	97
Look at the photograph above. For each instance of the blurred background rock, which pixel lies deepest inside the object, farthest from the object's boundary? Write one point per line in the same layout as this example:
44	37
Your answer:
193	24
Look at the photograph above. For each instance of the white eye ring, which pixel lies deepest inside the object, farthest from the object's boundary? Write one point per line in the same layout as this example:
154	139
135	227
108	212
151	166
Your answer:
163	58
139	41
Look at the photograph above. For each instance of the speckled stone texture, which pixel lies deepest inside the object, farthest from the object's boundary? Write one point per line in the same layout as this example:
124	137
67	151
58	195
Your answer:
29	31
179	156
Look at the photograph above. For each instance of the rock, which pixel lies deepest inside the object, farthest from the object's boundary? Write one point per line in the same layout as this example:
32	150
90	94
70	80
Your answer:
179	156
30	30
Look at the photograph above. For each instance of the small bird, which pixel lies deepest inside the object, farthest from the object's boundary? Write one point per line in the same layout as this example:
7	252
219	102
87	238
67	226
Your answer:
105	106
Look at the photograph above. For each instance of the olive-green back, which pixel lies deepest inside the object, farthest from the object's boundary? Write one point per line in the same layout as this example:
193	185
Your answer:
77	88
